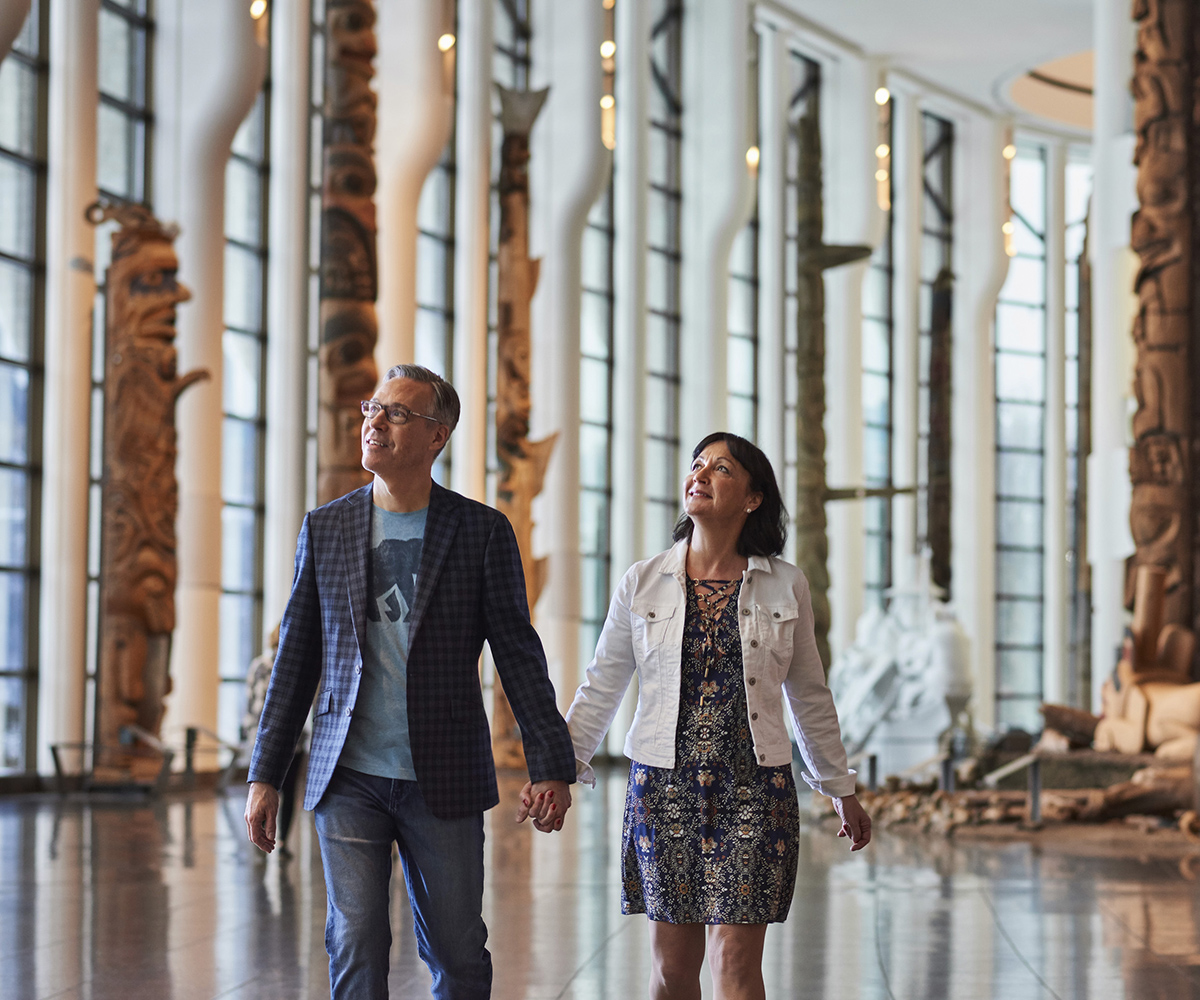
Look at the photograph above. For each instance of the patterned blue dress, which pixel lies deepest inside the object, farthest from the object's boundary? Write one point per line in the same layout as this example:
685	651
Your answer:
714	840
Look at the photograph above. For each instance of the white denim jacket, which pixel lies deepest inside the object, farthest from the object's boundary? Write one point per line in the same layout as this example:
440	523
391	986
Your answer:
644	634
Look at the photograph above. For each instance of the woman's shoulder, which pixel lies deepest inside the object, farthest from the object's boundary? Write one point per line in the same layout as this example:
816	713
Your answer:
785	574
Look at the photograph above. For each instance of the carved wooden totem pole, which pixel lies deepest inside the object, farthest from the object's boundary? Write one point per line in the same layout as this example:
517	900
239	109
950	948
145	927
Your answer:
1162	462
522	462
940	360
140	492
349	273
814	258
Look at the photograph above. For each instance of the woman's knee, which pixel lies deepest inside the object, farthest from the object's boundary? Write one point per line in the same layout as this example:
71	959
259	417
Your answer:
735	952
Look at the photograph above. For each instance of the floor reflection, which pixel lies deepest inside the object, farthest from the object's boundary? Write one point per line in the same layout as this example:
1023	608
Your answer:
127	899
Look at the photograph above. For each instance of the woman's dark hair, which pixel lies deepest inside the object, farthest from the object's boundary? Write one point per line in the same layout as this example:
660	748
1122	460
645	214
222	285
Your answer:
765	529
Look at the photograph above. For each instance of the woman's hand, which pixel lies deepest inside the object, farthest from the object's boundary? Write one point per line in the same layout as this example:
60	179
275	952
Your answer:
546	803
856	824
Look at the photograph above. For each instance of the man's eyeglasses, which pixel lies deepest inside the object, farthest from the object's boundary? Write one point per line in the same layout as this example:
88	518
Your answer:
397	413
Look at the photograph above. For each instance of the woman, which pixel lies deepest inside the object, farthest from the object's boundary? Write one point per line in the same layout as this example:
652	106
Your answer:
714	627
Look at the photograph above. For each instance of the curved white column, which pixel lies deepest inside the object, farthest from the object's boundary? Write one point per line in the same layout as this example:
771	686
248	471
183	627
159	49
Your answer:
631	94
70	295
12	18
568	168
287	294
468	459
716	135
1113	307
416	109
209	68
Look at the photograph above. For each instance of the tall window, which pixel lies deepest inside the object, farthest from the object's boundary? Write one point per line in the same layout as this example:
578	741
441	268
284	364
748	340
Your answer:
316	128
124	128
663	255
937	231
742	346
877	341
244	426
1078	377
22	272
1020	435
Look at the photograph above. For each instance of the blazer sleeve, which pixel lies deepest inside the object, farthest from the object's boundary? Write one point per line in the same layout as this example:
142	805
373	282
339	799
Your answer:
605	683
521	661
818	734
296	672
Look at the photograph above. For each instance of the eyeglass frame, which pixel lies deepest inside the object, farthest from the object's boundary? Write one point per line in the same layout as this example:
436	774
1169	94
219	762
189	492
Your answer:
386	409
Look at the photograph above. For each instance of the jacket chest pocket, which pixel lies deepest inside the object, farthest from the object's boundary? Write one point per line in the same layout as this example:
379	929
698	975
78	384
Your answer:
649	624
777	630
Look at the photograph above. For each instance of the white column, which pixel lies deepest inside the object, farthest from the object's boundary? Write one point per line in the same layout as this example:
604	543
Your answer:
468	465
70	293
12	18
1055	615
210	64
716	135
848	126
568	168
415	84
772	181
1113	307
908	175
287	293
980	267
629	282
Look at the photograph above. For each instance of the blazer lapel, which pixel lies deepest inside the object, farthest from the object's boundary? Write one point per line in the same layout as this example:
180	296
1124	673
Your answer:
356	538
440	524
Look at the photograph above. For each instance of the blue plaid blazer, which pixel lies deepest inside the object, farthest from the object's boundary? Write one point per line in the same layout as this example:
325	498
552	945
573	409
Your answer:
470	588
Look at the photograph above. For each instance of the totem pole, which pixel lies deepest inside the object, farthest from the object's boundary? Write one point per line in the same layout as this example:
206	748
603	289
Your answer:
814	257
140	493
349	273
522	462
940	360
1082	610
1162	460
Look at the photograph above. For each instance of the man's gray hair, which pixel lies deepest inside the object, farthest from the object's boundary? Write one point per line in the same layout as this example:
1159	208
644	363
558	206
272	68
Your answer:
446	407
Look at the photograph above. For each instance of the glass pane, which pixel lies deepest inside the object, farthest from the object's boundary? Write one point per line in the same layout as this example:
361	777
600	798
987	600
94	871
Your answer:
1019	574
743	258
116	57
594	334
877	443
662	349
243	289
1019	671
242	374
1019	425
660	522
1019	328
16	209
741	307
742	417
1028	187
1019	623
231	706
433	210
432	340
16	293
593	523
1018	474
1019	523
876	351
1020	377
662	220
14	414
593	391
431	271
739	361
115	140
14	509
662	481
1020	713
660	406
12	725
593	456
238	548
237	643
595	599
1026	281
877	293
243	202
12	621
250	140
18	107
875	399
597	257
239	461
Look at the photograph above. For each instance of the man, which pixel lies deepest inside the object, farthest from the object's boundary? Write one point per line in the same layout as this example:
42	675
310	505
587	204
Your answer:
397	585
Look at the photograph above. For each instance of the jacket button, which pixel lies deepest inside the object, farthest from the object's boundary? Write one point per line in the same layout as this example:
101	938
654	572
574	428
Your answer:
358	668
651	615
745	611
350	711
753	681
762	756
754	643
753	716
776	614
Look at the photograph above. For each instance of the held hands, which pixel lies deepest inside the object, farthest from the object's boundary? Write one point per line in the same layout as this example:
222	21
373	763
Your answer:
262	806
546	803
856	824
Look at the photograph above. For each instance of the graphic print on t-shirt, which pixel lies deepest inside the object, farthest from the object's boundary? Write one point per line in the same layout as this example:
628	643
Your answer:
394	566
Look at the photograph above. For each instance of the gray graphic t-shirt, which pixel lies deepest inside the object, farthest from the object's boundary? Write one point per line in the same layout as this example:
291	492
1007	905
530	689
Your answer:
377	742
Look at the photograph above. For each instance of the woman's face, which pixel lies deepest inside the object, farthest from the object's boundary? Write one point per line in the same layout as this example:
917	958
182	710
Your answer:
718	488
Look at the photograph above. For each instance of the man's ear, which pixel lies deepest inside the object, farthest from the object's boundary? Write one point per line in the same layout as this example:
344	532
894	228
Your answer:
440	437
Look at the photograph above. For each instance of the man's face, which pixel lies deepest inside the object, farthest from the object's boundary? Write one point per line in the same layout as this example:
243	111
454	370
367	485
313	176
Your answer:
395	451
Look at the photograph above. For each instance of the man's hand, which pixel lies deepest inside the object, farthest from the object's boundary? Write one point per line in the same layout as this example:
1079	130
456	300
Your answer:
856	824
262	806
546	803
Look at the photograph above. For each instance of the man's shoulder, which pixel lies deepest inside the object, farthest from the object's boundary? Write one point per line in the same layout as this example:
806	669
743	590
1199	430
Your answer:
336	508
465	507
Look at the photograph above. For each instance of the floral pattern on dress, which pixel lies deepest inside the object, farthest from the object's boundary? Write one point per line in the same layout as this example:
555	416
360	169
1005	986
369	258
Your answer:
714	840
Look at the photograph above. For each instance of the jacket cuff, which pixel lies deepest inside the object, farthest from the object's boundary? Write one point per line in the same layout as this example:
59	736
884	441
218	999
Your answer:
834	788
584	773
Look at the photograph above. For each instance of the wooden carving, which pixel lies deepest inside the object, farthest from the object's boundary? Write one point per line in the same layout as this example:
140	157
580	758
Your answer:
140	492
814	258
1082	609
349	273
1161	465
522	462
940	359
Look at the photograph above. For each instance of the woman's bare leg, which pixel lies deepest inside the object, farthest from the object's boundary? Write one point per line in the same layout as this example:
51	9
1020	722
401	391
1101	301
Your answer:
735	954
677	952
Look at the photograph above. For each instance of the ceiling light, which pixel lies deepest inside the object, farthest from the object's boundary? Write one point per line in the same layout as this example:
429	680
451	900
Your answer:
752	157
606	101
446	42
881	175
882	96
883	150
1007	228
1009	151
608	49
258	8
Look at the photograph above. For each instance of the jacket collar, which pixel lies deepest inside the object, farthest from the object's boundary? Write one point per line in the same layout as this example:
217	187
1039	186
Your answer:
675	562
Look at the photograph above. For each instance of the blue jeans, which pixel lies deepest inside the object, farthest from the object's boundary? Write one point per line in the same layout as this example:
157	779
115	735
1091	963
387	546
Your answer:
357	819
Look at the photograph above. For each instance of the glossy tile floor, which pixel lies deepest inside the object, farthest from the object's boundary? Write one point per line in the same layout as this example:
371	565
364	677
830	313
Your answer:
110	899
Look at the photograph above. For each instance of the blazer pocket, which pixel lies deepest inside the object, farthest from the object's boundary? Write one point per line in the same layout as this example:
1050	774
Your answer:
324	703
